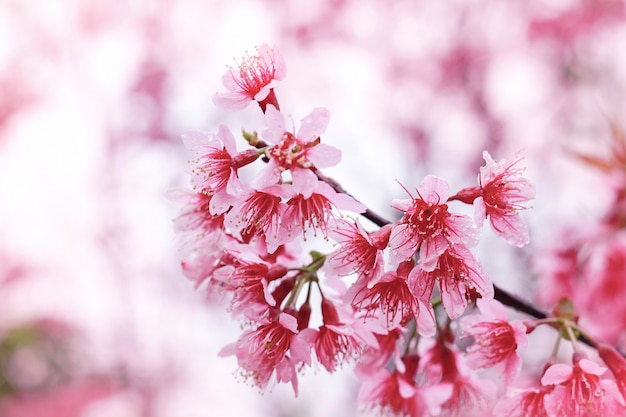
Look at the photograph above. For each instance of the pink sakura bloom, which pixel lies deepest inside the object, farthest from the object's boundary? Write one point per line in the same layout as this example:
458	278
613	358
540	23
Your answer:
397	392
504	191
274	347
580	392
297	153
525	403
255	79
360	252
501	193
495	338
249	286
443	363
376	356
616	363
392	295
315	209
335	341
259	214
427	225
459	275
215	170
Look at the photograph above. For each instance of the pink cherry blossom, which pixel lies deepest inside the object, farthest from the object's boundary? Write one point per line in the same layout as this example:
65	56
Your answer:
255	79
392	295
315	210
444	363
524	403
298	152
216	165
359	251
258	215
398	393
495	338
335	342
504	191
616	363
275	347
459	274
580	391
428	226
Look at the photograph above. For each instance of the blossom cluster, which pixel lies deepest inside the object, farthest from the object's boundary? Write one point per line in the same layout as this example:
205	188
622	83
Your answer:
407	302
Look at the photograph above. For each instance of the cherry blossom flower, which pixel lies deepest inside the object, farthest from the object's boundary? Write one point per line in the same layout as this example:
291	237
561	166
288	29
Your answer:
215	170
259	214
524	403
335	341
392	295
495	338
248	283
427	225
444	363
297	153
255	79
274	347
501	193
504	191
397	392
359	252
580	392
616	363
459	274
313	211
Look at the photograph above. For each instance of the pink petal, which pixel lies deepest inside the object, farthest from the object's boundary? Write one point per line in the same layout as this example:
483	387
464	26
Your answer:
232	101
434	190
556	374
314	125
274	125
324	156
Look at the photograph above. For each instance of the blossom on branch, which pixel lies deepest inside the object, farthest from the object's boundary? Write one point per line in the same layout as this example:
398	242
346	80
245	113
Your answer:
254	79
580	391
428	226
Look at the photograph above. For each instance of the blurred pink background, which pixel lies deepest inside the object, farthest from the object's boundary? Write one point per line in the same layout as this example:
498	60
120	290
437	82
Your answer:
94	96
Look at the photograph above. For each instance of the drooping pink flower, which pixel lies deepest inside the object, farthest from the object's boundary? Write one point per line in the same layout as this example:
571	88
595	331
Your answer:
254	79
397	392
216	165
335	342
248	283
616	363
298	152
360	252
496	339
458	273
444	363
525	403
392	295
258	215
580	391
315	210
428	226
273	347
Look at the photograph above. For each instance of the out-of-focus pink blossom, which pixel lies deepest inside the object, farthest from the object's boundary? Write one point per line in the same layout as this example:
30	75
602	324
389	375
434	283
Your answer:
427	225
254	79
616	363
398	393
496	339
580	391
524	403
